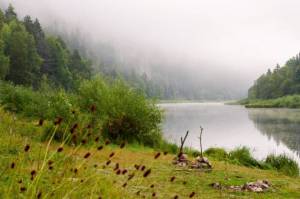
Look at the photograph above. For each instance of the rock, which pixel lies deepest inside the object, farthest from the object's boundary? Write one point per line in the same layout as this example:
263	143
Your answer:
203	162
216	185
258	186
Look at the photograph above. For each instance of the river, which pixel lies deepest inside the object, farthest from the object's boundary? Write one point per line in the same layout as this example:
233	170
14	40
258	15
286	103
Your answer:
264	131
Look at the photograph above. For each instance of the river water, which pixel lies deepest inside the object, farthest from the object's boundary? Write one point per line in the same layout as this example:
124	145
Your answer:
264	131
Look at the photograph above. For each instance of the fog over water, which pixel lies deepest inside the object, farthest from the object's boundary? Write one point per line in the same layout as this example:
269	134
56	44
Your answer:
212	43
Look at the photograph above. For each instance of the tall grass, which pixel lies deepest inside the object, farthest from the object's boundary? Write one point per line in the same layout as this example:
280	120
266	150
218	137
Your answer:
283	164
242	156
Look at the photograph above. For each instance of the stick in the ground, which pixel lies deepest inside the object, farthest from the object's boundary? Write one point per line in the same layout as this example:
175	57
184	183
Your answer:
200	138
182	143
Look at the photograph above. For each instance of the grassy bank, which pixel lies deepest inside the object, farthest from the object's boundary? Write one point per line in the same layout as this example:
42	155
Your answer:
291	101
30	168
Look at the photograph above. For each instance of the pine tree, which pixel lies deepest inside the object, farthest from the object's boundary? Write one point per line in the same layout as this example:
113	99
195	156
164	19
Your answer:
10	14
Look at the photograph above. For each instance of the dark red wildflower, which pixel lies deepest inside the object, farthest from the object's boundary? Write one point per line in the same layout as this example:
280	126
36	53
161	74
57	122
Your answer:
143	168
107	142
147	173
33	172
165	153
50	167
124	185
137	167
73	112
60	149
97	139
124	171
50	162
111	155
93	108
116	167
12	166
152	186
153	194
184	182
122	145
157	155
100	148
74	127
87	155
176	197
130	176
58	121
41	122
39	195
27	147
75	170
84	141
20	181
172	178
108	162
23	189
81	180
89	126
192	194
118	172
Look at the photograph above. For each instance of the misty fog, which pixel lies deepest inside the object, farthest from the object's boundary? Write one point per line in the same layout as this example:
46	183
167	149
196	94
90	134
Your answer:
219	45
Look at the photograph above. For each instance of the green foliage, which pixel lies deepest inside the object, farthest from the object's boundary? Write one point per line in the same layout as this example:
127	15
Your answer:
10	14
290	101
26	55
119	111
4	61
283	164
217	153
243	156
24	60
280	82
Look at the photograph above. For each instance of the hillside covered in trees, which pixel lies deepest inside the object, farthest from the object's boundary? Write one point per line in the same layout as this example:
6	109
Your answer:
280	82
28	56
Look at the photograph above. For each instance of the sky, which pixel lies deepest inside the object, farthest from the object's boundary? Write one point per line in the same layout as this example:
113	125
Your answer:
234	39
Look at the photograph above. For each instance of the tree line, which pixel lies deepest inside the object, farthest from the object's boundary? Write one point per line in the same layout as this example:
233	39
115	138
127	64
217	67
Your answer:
29	57
280	81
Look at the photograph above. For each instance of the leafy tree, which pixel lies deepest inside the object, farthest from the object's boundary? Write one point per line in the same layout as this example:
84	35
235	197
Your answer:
78	66
4	61
59	72
24	59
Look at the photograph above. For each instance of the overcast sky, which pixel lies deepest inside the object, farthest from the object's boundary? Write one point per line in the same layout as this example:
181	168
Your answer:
238	37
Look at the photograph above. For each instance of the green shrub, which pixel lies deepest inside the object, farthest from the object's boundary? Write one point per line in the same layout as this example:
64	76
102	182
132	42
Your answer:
119	112
243	157
283	164
216	153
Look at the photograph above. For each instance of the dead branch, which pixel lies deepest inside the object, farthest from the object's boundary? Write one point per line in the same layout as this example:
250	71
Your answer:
182	143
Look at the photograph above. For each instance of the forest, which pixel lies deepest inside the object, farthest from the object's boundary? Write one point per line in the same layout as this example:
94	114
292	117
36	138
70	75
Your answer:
279	82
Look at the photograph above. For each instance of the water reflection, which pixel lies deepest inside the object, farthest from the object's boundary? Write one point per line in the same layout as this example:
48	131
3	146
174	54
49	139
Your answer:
282	125
265	131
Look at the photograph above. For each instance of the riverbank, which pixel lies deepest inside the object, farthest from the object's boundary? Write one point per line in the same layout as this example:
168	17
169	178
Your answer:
34	169
290	101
